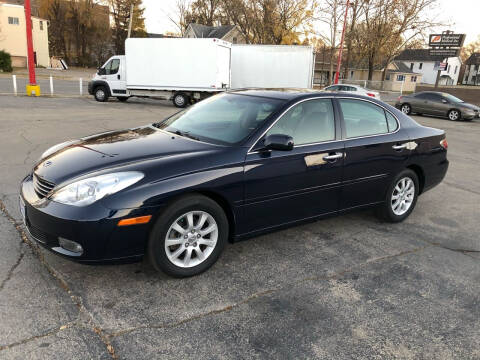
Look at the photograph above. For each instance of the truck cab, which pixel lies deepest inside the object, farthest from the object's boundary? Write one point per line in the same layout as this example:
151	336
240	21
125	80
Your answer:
110	80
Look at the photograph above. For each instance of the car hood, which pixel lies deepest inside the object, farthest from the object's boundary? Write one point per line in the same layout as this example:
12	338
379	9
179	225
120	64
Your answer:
113	149
470	106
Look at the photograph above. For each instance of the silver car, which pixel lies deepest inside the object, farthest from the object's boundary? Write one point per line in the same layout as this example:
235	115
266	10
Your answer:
437	104
355	89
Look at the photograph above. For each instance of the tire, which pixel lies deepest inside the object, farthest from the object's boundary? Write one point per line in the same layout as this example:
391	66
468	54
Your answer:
171	259
122	98
101	93
387	211
406	109
454	115
180	100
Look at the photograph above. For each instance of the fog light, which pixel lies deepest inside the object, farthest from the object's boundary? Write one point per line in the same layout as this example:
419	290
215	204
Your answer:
70	245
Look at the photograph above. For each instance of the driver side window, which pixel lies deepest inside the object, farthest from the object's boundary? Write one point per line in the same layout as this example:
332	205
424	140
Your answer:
112	67
309	122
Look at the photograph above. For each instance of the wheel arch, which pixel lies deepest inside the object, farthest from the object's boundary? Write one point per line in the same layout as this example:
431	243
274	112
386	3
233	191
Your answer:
417	169
98	83
219	199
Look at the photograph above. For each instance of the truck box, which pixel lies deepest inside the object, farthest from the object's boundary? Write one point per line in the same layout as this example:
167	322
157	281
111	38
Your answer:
272	66
177	64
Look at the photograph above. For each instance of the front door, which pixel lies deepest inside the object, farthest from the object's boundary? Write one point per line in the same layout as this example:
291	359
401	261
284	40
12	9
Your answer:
375	151
115	76
285	186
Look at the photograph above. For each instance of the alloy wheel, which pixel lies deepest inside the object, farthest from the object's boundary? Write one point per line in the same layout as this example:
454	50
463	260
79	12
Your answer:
402	196
453	115
406	109
191	239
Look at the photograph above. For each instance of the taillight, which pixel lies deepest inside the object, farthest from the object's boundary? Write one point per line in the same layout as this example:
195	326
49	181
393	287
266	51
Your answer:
444	144
371	94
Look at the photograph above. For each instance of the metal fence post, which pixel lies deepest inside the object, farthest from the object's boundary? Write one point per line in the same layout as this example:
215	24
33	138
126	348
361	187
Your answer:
51	85
81	87
14	80
401	88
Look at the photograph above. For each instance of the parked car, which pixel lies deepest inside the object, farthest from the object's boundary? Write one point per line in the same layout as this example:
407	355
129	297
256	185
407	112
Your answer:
233	166
354	89
438	104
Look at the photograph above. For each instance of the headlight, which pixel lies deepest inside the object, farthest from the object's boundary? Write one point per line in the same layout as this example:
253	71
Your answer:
87	191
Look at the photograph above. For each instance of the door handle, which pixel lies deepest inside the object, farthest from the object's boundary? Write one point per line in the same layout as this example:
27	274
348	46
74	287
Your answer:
399	147
333	156
118	77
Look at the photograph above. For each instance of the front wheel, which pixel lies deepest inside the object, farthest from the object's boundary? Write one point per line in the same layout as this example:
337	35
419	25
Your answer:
101	93
401	197
454	115
188	237
406	109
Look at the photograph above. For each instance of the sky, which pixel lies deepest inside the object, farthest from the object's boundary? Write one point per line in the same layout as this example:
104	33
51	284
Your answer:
462	14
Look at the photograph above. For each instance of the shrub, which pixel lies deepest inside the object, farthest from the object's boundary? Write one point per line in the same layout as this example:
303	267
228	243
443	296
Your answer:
5	61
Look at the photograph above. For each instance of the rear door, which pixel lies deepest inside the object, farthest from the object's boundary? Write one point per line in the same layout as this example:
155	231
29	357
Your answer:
285	186
375	151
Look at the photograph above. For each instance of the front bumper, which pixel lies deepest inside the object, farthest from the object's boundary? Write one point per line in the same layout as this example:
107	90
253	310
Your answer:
90	87
94	227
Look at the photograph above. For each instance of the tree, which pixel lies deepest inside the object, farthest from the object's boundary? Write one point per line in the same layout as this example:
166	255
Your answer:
470	48
388	26
120	12
331	14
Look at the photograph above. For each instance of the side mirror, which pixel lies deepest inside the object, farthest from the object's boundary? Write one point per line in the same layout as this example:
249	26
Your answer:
278	142
444	101
102	71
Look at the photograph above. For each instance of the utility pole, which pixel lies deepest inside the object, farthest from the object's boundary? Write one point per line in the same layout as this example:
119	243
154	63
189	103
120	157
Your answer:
130	22
339	62
32	87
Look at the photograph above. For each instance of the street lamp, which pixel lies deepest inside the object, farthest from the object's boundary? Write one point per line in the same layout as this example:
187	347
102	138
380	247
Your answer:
33	89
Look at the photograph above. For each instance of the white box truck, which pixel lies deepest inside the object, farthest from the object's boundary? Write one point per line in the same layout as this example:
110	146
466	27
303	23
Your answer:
187	70
272	66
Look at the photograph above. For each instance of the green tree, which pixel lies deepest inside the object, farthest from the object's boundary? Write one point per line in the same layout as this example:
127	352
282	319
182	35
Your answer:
120	11
5	61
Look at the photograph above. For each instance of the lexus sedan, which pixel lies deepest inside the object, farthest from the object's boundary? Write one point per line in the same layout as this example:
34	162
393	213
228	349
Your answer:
437	104
231	167
355	89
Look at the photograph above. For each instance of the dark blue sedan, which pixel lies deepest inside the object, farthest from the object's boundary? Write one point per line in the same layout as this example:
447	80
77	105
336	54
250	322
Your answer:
231	167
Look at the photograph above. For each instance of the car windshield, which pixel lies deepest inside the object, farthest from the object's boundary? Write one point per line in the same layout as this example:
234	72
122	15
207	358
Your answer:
224	119
452	98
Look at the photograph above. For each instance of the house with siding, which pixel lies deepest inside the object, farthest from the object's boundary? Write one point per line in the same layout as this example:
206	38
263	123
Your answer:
230	33
14	41
471	75
420	60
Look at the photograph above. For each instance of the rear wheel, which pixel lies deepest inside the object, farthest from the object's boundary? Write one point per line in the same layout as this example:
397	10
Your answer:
406	109
101	93
454	115
180	100
188	237
401	197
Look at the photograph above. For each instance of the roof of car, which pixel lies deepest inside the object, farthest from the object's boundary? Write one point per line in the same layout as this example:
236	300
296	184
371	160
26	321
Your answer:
281	94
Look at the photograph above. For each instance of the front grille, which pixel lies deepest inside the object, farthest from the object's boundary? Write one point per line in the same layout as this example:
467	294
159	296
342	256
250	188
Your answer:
42	187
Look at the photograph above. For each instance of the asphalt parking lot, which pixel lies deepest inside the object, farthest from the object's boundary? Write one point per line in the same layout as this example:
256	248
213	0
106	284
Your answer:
345	287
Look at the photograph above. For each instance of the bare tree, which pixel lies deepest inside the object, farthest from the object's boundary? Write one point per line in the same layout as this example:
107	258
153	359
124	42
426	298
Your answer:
180	16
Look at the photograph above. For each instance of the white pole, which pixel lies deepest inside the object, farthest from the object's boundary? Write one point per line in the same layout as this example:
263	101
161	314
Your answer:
14	79
401	89
51	85
365	84
81	87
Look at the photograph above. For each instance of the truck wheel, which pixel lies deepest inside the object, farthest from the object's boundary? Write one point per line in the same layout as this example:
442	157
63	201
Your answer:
122	98
180	100
101	93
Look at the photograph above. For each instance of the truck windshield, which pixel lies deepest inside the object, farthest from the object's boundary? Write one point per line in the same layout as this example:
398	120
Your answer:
224	119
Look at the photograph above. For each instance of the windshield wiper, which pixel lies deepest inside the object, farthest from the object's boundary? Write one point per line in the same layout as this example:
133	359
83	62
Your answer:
186	134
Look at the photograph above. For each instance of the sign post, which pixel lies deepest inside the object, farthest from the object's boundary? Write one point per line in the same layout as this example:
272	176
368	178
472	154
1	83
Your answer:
442	46
33	89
